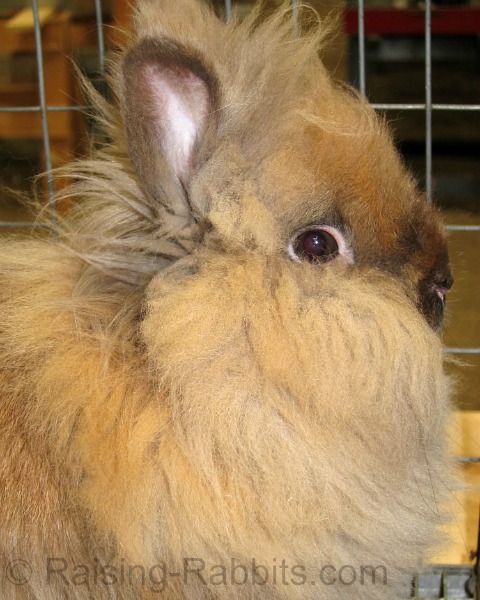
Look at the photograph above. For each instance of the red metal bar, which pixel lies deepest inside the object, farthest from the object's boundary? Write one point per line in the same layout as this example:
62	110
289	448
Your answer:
409	21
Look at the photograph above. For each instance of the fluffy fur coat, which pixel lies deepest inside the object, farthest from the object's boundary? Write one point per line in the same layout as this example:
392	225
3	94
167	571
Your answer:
192	404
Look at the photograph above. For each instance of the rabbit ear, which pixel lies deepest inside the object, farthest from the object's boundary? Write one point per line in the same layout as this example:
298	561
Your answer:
168	98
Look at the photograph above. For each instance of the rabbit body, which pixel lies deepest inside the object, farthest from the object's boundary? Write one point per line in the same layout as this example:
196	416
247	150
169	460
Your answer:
189	409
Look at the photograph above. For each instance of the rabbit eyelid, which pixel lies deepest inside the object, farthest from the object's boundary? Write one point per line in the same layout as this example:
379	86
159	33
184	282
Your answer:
319	244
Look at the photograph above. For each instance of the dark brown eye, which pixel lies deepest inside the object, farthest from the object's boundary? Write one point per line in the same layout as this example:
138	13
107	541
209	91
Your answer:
318	245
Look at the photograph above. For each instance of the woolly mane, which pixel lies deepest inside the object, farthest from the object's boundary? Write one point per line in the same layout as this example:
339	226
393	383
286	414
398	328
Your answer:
269	76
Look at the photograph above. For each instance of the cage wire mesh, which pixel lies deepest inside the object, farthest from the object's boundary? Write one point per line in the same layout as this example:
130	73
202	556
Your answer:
448	582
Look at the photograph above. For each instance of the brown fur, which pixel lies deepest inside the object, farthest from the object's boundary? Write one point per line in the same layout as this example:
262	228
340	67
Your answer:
175	386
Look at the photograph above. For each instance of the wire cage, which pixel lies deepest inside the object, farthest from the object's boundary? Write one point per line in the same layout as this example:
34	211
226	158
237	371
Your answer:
448	582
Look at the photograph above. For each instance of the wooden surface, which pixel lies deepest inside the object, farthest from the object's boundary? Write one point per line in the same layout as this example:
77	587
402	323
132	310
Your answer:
24	20
463	532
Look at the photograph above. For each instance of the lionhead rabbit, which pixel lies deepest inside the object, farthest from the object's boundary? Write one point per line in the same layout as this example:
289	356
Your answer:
223	378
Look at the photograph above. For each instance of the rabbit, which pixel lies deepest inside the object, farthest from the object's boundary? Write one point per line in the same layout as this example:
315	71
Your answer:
223	376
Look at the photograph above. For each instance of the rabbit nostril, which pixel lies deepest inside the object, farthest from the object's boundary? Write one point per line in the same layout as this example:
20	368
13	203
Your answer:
441	292
433	290
444	283
441	286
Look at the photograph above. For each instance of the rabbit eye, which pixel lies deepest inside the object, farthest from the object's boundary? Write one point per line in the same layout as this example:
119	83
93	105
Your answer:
318	244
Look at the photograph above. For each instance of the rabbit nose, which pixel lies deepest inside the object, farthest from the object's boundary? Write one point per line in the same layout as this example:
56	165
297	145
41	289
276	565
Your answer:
433	290
442	286
441	292
444	283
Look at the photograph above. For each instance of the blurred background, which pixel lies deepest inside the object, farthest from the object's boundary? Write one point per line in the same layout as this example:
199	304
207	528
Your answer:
83	32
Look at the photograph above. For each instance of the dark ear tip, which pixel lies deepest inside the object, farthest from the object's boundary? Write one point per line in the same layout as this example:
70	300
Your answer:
168	54
168	96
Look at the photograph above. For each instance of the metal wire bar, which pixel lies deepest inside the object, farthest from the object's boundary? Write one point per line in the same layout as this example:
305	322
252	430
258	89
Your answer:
452	107
462	227
468	107
361	46
43	111
20	224
462	350
467	459
428	99
295	16
17	109
228	9
101	41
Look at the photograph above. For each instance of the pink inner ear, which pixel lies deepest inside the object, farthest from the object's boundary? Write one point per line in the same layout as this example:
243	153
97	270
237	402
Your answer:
180	104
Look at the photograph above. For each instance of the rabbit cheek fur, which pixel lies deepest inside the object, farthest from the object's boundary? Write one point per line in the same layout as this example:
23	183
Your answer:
175	386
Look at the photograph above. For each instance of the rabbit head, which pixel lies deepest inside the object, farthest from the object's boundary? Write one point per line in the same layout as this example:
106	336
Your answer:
255	287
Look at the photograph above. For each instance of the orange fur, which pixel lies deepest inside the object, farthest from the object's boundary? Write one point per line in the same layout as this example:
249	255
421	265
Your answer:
175	386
